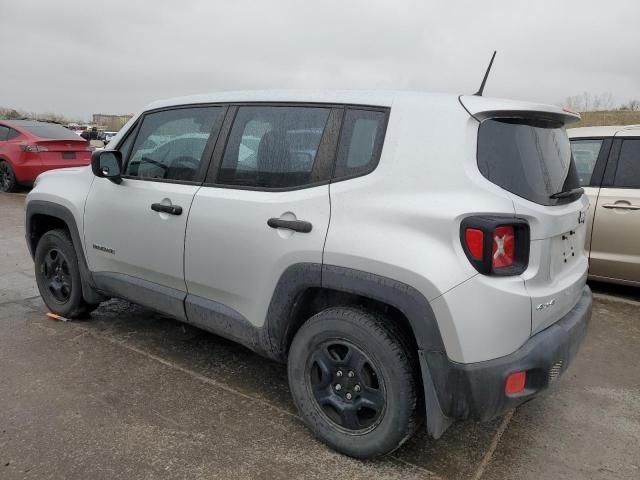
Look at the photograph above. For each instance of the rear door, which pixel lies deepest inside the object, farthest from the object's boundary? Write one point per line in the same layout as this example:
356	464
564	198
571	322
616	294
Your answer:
615	248
263	208
135	248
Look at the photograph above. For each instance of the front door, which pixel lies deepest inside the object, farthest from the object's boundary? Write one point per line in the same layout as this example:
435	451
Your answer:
134	231
615	248
264	209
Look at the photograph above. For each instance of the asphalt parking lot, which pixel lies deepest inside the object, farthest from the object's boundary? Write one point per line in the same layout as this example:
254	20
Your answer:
131	394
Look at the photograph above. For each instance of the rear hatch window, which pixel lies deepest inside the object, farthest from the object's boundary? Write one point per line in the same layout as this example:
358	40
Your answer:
529	158
52	131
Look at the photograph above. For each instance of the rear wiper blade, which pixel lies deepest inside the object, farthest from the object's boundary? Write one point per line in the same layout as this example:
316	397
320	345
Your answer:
568	193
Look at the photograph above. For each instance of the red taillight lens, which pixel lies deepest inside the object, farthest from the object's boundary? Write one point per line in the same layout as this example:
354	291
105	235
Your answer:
504	241
515	382
475	242
496	245
34	148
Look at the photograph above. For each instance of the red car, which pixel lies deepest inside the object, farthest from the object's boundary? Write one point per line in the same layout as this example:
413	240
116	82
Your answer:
28	148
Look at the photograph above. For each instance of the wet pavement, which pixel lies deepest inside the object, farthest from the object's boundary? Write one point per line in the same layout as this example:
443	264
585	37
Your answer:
132	394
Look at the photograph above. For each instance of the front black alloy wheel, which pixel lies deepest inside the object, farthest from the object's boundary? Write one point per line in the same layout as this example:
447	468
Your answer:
8	181
58	275
354	380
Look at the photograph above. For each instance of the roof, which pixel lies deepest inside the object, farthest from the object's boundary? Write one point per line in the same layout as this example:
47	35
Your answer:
354	97
604	131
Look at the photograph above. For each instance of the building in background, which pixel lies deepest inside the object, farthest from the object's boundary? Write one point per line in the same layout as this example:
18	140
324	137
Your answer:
110	122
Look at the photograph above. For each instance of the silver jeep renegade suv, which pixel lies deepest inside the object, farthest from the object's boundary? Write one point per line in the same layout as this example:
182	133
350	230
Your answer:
414	258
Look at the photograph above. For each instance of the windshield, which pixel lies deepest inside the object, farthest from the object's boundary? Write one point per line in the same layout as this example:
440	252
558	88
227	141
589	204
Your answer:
529	158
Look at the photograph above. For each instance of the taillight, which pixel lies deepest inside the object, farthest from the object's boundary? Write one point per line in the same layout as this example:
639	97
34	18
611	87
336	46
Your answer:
496	245
475	242
504	241
34	148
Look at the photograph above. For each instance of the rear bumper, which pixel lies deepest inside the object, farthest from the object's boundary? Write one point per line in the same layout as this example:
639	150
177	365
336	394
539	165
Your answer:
477	390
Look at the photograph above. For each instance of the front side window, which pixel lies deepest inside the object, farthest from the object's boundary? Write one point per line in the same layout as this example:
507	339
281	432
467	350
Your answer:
527	157
361	142
585	154
628	170
170	144
273	147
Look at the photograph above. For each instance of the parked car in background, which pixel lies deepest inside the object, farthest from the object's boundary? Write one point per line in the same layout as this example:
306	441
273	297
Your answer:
607	161
108	136
29	147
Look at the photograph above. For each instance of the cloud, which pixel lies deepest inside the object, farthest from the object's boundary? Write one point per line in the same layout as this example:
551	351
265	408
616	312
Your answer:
78	58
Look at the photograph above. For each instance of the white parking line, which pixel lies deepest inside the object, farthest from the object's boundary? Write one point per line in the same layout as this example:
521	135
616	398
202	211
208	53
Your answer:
493	446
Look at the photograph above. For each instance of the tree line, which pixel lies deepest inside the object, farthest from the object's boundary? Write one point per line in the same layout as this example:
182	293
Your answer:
588	102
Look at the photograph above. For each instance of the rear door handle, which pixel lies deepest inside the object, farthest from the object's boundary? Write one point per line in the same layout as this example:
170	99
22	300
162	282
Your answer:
623	206
295	225
170	209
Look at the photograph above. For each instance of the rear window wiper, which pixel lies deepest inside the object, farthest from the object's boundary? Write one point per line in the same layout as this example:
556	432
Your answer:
568	193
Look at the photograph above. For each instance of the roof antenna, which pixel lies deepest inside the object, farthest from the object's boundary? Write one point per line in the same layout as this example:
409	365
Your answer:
484	80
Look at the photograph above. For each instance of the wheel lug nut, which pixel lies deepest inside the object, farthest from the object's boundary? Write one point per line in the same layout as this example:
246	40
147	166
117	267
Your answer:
356	388
348	395
351	374
338	387
339	373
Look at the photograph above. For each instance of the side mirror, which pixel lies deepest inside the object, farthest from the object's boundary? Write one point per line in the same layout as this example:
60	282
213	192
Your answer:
107	164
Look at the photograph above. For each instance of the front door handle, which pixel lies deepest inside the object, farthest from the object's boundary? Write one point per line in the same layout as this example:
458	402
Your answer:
170	209
623	206
295	225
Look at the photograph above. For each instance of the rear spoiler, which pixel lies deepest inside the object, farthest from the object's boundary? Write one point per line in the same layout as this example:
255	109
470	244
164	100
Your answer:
482	108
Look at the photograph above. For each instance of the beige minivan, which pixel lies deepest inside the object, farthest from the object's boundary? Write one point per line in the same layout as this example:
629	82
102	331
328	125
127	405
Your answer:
607	161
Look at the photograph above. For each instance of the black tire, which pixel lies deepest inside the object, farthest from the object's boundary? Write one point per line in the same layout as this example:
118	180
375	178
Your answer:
8	181
58	275
359	426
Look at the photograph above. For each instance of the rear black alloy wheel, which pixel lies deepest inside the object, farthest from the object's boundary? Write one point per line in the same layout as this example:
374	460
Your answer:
346	386
7	177
55	269
354	378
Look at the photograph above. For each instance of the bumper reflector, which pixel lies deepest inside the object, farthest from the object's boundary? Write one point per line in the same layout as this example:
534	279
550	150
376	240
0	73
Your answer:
515	382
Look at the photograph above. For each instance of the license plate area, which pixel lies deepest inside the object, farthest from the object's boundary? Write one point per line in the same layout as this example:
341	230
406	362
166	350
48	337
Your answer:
567	249
69	155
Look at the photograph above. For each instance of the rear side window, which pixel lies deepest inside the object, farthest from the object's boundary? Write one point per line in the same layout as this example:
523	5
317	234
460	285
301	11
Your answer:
3	133
628	170
273	147
360	142
529	158
585	154
12	134
170	144
51	131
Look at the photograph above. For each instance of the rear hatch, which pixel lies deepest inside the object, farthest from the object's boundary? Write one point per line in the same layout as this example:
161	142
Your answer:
523	148
58	145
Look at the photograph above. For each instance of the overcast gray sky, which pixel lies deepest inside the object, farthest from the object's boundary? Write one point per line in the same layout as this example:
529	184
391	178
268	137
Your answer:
113	56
